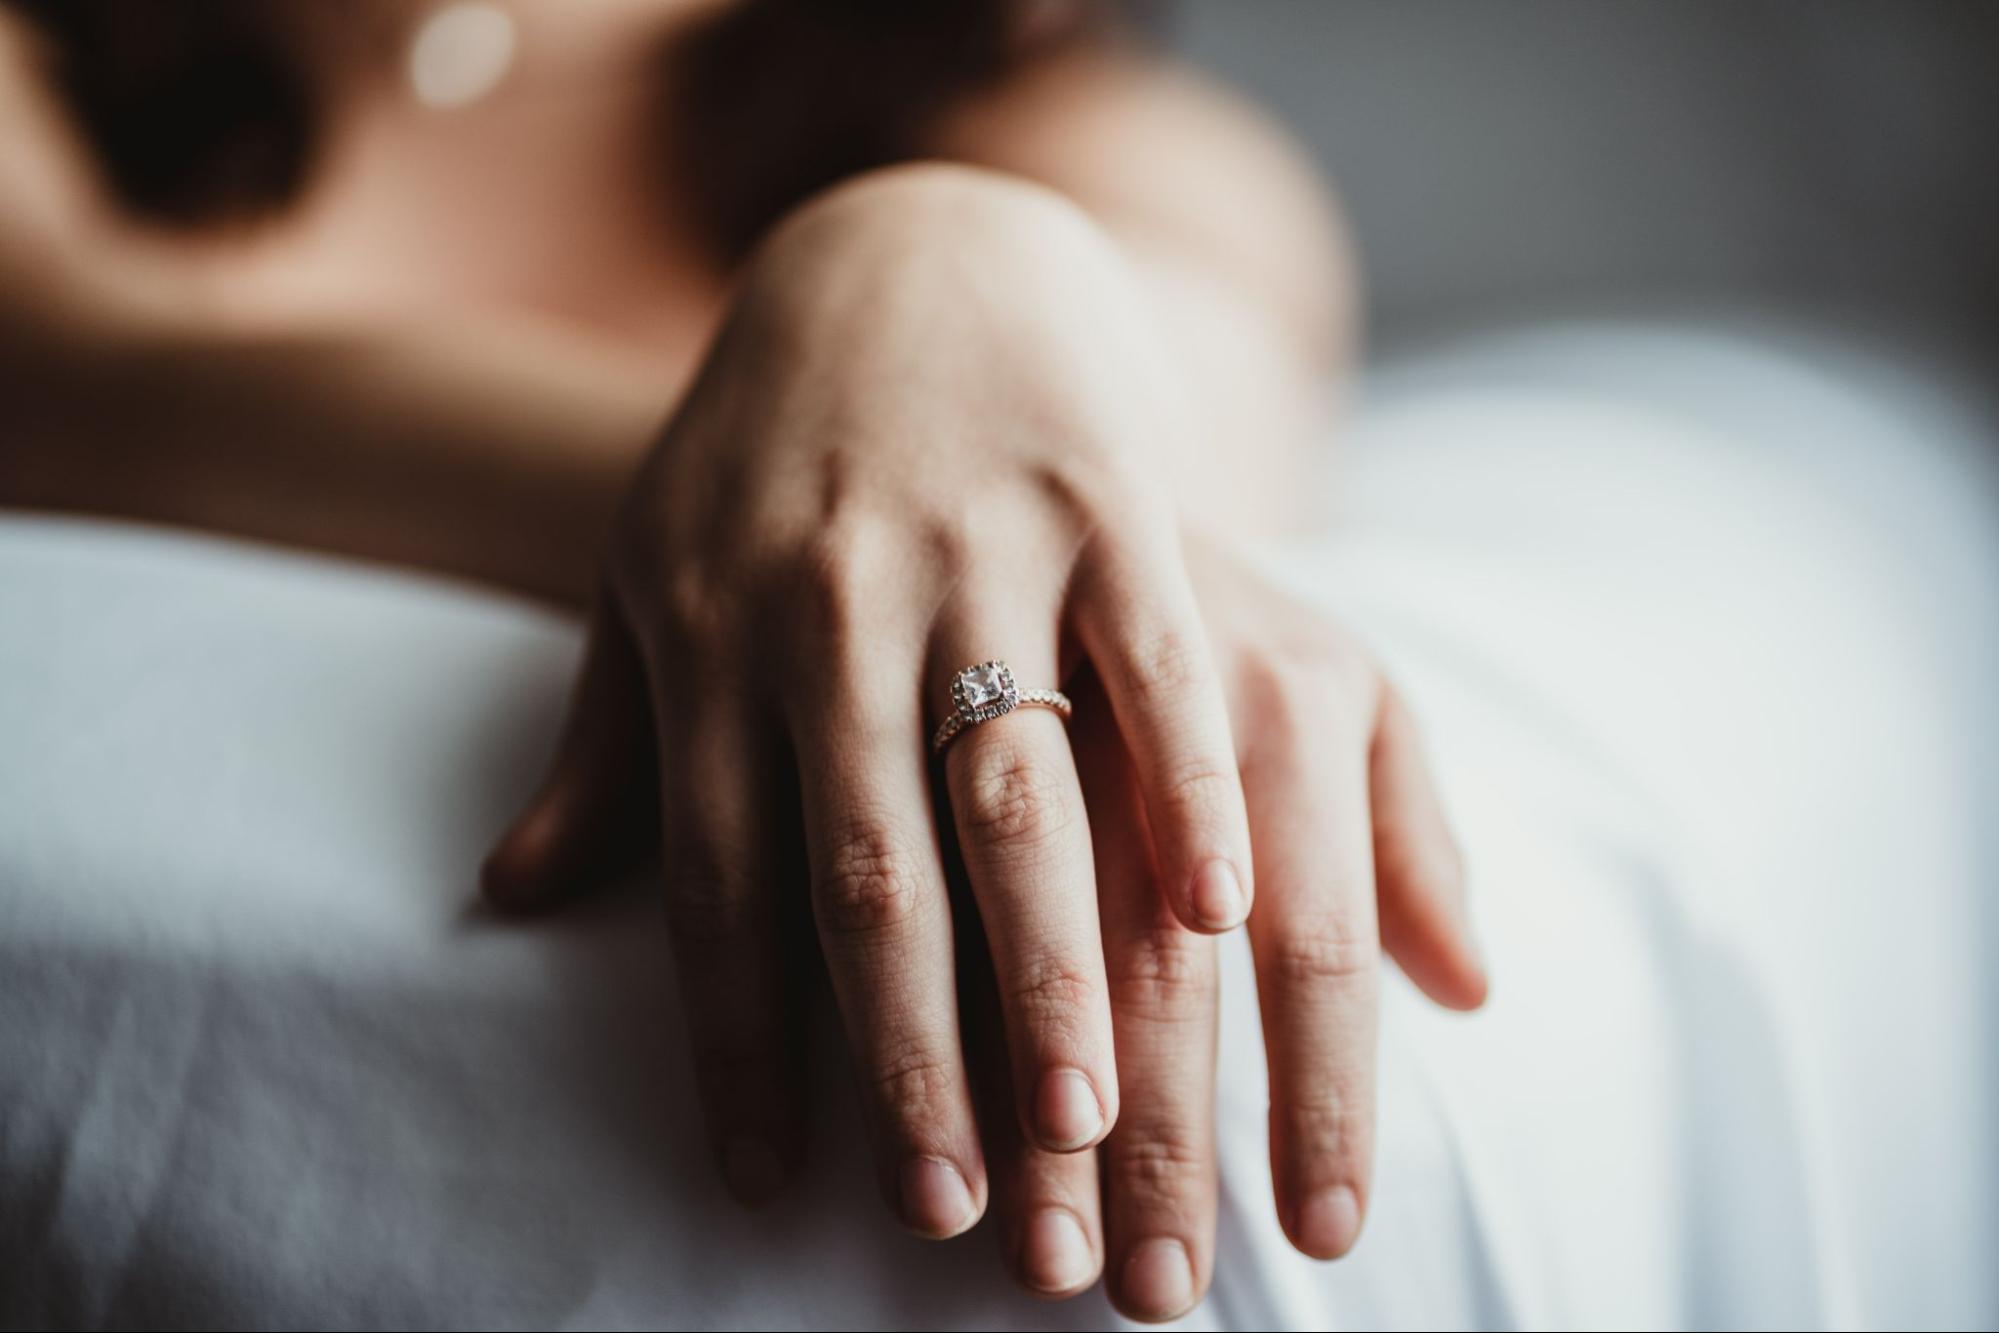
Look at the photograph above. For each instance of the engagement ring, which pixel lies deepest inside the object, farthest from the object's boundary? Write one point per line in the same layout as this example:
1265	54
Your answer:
983	692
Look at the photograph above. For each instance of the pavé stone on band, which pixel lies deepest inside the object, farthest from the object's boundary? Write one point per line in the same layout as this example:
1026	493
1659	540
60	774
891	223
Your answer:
985	691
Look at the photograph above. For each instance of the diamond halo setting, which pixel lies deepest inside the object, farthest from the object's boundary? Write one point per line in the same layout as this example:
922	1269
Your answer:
986	690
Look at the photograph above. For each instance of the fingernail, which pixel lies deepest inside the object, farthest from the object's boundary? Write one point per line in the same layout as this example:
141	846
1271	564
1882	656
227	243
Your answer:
1054	1253
752	1170
935	1199
1329	1223
1067	1114
1218	898
1159	1279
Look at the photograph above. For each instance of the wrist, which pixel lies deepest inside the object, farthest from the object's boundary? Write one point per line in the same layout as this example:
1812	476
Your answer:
937	240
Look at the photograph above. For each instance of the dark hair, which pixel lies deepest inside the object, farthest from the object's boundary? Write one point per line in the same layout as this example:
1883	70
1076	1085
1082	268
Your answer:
777	99
196	108
203	110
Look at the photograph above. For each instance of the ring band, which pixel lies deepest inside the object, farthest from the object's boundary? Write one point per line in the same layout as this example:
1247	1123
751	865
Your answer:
986	690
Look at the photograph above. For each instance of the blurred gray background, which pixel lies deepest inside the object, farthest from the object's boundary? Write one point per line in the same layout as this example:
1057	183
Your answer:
1499	158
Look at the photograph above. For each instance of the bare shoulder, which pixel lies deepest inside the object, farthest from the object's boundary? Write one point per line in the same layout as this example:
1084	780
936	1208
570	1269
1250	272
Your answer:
1175	162
47	188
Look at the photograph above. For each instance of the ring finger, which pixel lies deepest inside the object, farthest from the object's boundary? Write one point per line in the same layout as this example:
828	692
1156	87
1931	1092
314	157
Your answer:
1025	843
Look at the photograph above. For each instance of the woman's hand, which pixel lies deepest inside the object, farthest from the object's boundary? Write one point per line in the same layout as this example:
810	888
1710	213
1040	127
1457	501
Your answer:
930	433
935	431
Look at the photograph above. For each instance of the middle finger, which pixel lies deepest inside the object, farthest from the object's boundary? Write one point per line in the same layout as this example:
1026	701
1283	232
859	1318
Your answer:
1159	1166
884	917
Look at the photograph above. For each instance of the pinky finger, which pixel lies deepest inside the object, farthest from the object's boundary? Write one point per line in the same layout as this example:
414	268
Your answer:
1425	924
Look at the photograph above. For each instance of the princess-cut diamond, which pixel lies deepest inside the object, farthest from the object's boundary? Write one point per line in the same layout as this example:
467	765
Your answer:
983	685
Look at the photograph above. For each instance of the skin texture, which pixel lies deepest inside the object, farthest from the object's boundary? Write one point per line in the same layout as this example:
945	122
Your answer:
941	413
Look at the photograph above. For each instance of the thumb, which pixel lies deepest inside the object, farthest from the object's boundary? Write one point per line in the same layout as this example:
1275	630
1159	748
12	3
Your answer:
596	812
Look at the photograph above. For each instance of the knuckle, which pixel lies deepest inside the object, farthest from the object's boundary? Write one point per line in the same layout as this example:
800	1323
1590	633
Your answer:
1328	952
871	883
707	903
834	575
1283	684
1053	990
945	540
1012	797
1200	792
677	602
914	1083
1088	487
1328	1119
1157	1165
1309	680
1326	1132
1162	667
1166	975
691	605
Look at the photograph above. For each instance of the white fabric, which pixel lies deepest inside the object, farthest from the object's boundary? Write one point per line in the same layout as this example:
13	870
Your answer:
1701	627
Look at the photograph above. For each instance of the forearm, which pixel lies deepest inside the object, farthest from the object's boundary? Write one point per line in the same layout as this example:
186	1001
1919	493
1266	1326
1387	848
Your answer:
489	454
497	452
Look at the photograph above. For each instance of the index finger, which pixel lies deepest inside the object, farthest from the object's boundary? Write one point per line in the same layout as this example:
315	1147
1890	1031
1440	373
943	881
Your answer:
884	919
1160	1168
